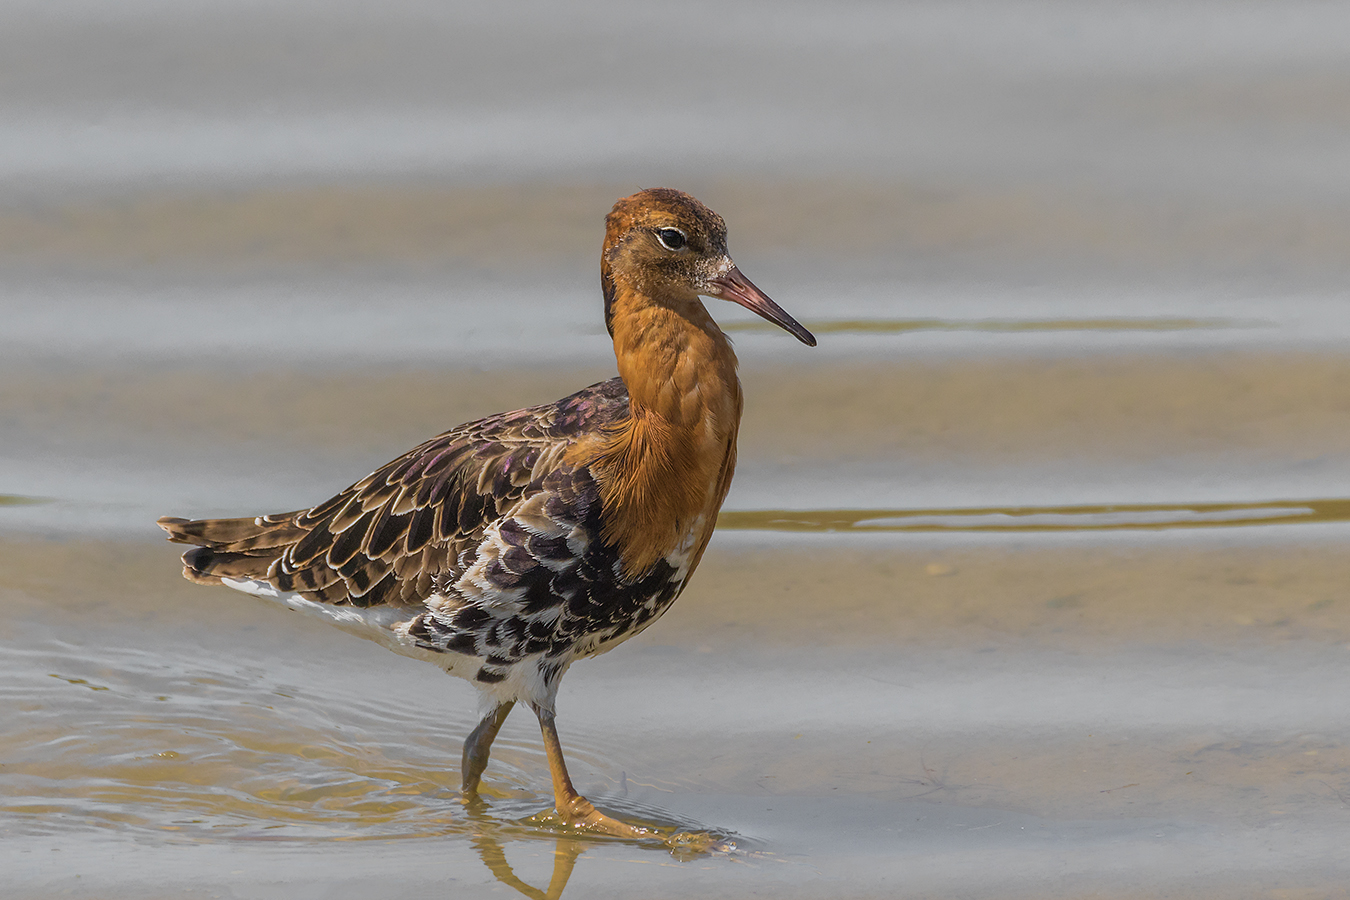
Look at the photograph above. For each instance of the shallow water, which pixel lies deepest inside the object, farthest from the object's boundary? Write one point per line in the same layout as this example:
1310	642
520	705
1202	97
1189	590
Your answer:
1032	579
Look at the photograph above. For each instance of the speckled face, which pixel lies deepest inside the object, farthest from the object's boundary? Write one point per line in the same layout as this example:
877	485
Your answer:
669	247
665	240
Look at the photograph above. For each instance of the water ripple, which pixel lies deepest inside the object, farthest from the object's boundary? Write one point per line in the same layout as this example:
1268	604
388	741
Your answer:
1110	517
153	742
18	500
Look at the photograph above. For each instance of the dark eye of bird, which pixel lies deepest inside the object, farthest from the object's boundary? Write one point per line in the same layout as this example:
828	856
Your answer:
671	238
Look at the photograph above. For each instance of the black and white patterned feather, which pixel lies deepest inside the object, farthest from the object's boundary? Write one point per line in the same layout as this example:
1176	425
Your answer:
482	545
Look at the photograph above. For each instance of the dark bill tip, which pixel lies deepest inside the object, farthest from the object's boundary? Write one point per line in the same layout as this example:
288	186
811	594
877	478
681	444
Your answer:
737	288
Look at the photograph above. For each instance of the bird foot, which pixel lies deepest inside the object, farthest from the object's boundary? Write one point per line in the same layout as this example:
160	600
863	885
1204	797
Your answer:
581	814
685	844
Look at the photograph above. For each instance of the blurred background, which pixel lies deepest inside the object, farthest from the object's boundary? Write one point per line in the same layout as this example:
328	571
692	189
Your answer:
1054	511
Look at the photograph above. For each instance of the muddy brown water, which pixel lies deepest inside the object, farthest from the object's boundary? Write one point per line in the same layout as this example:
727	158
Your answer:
1032	581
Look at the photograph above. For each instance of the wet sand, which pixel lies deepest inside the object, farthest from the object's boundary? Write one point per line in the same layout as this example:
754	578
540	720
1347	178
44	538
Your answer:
855	714
918	431
880	225
1114	408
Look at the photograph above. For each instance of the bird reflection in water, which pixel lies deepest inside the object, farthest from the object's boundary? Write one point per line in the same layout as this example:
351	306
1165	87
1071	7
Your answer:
490	835
565	854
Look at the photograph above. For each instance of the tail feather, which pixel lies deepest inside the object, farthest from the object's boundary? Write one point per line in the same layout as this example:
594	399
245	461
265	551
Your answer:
232	548
248	549
236	535
207	566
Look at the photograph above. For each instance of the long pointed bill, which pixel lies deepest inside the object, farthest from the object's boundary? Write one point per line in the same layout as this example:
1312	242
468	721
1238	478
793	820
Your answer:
736	287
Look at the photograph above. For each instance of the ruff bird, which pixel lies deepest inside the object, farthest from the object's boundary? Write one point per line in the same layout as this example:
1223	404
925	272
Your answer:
507	548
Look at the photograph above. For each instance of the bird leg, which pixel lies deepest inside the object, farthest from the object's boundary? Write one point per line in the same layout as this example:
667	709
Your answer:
565	856
479	743
573	808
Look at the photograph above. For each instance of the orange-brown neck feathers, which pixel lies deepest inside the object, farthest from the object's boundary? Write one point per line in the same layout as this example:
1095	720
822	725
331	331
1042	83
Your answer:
669	465
671	462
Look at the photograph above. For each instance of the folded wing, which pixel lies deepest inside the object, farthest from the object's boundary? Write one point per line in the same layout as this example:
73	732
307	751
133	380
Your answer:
392	537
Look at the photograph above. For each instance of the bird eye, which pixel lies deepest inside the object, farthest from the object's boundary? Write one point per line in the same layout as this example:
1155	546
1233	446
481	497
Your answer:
671	238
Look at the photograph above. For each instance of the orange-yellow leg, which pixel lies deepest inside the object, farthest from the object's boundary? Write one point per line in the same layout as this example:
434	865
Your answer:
565	855
573	808
478	745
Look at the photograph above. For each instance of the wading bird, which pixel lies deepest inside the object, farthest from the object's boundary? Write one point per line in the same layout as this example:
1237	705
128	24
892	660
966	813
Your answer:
507	548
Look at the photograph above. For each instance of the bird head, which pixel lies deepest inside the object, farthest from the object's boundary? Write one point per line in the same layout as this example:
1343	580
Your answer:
671	248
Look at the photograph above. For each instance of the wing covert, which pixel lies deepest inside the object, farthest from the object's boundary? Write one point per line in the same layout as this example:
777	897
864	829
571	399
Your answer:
391	536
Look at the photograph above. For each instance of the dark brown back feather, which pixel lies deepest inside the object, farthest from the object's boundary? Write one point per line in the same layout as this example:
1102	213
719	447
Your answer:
389	537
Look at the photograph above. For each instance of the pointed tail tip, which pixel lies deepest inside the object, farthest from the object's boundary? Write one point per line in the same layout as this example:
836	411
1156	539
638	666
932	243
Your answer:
196	577
179	530
171	524
197	564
